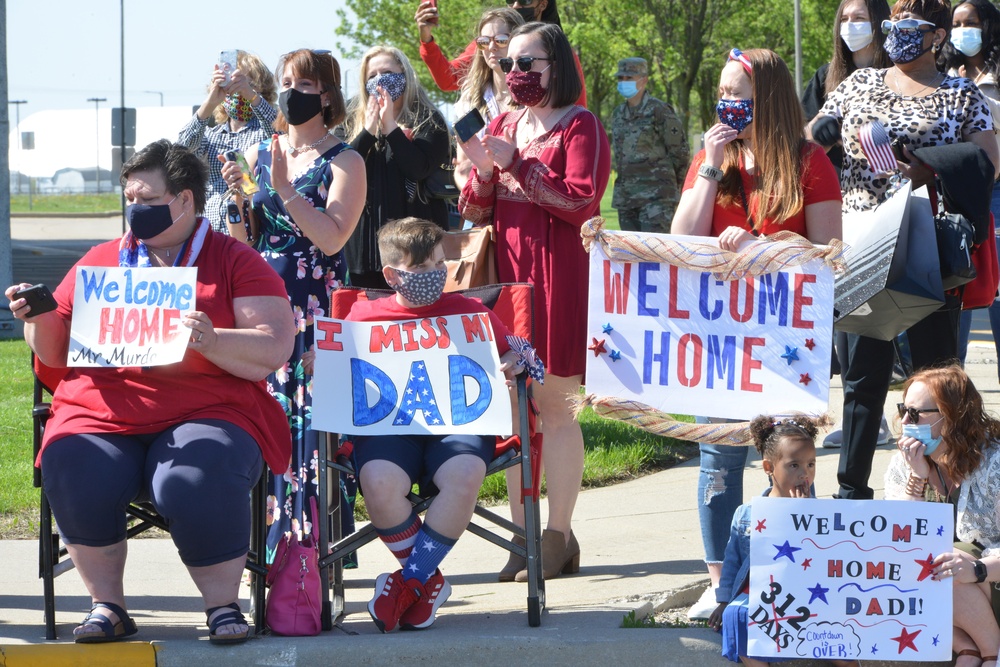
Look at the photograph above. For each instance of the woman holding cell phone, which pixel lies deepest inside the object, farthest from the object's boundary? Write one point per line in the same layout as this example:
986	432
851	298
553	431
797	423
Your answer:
538	175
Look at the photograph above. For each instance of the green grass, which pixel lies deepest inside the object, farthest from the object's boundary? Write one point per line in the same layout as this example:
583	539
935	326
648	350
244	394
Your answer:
609	214
18	499
84	203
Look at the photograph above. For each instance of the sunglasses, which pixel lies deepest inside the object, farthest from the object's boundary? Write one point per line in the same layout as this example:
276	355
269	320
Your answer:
913	413
483	42
523	3
907	25
524	63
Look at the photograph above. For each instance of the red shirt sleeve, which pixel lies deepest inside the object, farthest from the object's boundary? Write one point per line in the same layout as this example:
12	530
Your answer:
447	75
819	177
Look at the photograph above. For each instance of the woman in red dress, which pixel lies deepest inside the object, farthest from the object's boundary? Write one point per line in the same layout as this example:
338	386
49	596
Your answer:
538	175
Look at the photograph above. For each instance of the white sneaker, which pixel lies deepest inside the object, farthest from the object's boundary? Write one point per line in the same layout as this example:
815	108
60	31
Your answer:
884	434
835	438
705	605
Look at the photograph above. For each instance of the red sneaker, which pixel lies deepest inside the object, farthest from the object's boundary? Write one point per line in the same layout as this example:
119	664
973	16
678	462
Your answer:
421	614
392	599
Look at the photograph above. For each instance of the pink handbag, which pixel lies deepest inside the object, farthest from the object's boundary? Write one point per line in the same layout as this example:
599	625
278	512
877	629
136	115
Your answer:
293	603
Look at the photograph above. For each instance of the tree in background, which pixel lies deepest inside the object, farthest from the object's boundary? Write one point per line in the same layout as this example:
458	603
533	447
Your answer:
685	41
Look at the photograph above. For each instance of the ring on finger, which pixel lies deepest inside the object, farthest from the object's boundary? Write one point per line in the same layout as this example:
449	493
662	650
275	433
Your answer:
198	339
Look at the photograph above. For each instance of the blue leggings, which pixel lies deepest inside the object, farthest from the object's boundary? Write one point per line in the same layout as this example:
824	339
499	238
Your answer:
198	475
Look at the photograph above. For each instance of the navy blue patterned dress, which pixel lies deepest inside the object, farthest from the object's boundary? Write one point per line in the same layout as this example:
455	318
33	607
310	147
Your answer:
309	277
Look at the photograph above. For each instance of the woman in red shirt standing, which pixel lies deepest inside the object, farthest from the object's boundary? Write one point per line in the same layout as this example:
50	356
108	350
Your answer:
756	175
538	175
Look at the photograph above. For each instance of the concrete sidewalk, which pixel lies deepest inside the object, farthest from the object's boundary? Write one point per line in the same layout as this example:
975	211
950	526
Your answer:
641	551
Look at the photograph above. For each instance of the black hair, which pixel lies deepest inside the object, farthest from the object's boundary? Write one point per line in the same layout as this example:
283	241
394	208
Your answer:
181	169
767	431
951	58
565	86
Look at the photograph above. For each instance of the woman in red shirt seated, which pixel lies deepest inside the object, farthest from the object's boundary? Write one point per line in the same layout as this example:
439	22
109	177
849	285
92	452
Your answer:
756	175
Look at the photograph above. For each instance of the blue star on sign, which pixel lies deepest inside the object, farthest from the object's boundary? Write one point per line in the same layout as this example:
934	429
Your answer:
874	649
616	355
936	640
791	354
787	550
607	328
940	531
818	593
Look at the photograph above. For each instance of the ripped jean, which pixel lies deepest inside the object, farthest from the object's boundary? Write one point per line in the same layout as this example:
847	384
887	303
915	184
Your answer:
720	492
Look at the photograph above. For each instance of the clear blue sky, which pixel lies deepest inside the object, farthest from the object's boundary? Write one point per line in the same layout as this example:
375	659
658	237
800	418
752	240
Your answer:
59	53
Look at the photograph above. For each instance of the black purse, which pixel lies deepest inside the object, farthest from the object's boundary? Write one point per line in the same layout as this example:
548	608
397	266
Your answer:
441	183
955	237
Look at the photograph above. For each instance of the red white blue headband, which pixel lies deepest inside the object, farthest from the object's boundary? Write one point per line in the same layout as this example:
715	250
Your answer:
738	56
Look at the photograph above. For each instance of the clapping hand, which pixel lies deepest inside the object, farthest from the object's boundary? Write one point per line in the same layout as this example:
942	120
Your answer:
502	149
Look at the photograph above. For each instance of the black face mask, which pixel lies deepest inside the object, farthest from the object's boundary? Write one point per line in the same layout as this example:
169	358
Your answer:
527	13
147	221
299	107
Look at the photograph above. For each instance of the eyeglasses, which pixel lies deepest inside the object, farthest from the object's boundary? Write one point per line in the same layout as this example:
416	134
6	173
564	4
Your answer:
523	3
524	63
907	25
913	413
483	42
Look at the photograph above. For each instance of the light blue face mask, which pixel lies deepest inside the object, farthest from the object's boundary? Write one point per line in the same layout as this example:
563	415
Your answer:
627	89
922	432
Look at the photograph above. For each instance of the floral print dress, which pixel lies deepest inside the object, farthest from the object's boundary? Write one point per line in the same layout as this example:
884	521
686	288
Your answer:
310	276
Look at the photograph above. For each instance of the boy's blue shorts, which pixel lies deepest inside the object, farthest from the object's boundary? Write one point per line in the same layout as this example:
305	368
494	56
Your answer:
420	456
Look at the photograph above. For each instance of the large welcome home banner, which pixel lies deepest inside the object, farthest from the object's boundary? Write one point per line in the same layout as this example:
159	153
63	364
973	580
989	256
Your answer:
849	579
684	342
130	317
435	375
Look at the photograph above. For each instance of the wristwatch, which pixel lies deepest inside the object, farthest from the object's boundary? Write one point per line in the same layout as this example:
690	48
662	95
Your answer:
979	567
710	172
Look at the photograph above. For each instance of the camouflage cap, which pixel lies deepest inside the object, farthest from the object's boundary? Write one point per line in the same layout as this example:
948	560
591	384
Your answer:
632	67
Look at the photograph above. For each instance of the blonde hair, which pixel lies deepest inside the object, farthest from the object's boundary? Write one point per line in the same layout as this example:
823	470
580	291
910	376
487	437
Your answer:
778	144
417	110
480	76
261	80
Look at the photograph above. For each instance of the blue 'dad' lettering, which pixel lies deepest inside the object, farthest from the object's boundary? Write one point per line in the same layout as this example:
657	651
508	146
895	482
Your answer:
459	368
418	396
364	414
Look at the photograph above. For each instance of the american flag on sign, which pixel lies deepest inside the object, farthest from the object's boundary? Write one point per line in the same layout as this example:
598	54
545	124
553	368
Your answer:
876	147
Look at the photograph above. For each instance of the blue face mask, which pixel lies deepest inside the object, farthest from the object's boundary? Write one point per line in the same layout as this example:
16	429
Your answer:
627	89
922	432
904	46
737	114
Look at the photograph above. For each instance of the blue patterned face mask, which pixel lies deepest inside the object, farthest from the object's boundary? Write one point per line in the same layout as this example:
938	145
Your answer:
904	46
421	289
737	114
393	83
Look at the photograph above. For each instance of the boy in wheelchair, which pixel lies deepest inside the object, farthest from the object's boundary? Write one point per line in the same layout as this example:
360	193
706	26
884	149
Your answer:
389	465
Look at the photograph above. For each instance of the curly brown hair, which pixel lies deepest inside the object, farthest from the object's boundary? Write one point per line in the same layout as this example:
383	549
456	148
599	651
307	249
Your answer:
968	429
767	431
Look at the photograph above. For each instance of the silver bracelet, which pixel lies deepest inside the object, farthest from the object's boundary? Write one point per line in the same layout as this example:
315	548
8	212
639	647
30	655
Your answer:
288	201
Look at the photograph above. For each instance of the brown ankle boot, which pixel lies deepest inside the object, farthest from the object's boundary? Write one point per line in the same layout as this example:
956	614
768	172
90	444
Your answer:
514	564
557	556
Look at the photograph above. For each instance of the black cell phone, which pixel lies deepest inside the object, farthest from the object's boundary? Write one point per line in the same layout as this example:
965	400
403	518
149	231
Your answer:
897	150
39	298
469	124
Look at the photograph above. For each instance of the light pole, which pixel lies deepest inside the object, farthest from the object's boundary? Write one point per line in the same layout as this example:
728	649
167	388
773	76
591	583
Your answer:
97	141
155	92
17	124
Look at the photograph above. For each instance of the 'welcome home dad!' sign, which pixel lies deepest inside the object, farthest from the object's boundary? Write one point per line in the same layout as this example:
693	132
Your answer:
683	342
130	317
435	375
848	579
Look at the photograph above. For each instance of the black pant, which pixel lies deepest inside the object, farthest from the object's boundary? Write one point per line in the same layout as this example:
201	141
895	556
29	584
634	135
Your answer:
933	341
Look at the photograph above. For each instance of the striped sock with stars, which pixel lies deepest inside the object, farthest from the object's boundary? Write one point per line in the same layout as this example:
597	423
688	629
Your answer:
400	538
429	550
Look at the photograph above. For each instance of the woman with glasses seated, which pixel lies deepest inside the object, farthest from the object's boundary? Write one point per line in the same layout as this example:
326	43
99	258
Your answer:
484	87
448	75
538	175
949	452
918	106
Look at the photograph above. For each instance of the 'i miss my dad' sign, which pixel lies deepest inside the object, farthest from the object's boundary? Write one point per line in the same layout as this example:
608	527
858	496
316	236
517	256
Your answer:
435	375
685	342
130	317
848	579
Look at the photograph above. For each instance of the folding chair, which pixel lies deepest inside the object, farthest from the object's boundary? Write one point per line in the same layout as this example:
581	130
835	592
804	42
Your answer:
142	516
512	302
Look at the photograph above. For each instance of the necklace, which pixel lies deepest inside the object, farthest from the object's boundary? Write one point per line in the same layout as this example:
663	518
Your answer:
933	84
295	150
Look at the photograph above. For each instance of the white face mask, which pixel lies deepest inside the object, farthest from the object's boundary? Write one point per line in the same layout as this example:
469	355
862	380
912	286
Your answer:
856	34
967	40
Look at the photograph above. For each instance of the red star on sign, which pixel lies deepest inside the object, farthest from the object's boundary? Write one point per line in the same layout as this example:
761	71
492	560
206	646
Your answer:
805	379
926	567
810	344
905	640
597	347
760	526
807	563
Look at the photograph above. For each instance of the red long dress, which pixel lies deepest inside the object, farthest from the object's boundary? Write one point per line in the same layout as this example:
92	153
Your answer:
537	206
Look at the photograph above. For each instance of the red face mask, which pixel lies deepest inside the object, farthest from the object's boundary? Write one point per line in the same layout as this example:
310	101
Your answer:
526	87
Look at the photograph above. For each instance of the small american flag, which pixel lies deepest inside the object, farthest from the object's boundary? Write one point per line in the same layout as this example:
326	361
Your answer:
876	147
529	359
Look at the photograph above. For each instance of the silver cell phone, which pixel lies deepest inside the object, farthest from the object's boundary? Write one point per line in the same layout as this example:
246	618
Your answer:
227	63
